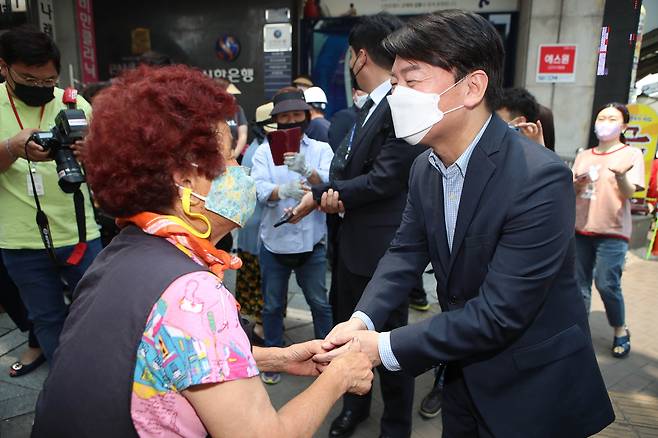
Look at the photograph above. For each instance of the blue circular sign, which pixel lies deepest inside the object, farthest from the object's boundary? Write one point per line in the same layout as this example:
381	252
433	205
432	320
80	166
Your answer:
227	48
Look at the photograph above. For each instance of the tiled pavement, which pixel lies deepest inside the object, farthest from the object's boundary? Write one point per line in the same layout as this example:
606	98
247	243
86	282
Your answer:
632	382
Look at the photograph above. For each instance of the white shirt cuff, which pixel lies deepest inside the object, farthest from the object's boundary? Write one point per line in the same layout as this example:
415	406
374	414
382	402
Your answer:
386	353
365	318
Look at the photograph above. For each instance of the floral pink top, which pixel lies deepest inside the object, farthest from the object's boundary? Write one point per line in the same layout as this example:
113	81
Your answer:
193	336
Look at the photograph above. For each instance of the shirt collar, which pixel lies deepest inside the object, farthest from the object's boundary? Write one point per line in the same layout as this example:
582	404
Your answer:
380	92
464	158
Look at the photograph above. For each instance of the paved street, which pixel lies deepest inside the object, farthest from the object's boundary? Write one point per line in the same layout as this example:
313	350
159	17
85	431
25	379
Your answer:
632	382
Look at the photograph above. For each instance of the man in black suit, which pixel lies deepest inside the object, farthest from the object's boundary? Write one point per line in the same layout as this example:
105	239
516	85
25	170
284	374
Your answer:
494	213
369	176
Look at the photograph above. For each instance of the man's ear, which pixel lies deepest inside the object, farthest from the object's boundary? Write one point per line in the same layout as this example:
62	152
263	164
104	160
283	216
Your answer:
477	83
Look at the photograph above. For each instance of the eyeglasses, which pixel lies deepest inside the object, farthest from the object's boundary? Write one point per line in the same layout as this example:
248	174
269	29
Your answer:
33	82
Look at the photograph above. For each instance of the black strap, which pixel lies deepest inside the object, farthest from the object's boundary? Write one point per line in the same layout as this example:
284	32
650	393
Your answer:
42	219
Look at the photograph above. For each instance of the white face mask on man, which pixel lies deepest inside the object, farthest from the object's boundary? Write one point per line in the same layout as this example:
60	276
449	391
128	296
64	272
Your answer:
415	112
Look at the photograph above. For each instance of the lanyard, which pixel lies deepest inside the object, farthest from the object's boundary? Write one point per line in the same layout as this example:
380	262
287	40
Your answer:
18	119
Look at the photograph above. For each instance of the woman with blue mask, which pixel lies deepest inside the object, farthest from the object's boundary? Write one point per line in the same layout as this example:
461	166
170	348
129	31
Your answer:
154	344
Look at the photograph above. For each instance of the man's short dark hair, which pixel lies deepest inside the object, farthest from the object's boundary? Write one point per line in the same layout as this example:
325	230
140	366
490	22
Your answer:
30	46
519	102
368	34
453	40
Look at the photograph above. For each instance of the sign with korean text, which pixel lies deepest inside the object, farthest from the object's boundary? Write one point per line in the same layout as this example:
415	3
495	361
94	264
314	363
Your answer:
234	75
556	63
642	133
46	17
86	41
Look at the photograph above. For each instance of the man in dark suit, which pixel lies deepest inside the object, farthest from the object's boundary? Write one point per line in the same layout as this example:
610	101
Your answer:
369	175
494	213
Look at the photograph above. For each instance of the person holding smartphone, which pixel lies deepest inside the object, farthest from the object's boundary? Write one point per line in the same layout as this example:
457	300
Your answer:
605	178
287	248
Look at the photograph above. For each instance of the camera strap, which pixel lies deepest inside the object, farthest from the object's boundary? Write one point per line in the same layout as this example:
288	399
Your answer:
44	227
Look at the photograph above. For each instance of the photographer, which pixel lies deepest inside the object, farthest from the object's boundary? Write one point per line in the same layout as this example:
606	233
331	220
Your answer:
30	102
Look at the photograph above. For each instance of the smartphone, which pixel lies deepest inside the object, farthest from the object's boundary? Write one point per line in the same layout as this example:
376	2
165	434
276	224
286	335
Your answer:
287	216
582	175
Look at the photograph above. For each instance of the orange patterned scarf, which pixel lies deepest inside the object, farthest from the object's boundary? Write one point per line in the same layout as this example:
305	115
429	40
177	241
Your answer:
178	232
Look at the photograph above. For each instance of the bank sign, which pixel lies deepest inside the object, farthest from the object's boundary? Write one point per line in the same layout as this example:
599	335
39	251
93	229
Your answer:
556	63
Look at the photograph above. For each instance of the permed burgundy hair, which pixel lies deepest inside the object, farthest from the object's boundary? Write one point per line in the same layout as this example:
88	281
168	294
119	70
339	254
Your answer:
151	123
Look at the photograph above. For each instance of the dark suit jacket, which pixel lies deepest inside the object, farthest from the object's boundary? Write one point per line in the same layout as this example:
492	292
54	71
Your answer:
512	318
373	191
341	124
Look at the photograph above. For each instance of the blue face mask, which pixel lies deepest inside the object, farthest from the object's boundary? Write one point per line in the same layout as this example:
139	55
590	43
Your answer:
232	195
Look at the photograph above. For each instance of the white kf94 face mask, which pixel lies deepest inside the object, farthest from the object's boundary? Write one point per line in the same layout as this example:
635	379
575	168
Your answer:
415	112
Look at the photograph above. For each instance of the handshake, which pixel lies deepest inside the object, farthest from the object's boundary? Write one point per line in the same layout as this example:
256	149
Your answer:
347	356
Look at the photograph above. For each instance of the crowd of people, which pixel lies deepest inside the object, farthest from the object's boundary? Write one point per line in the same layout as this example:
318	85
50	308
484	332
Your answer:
434	167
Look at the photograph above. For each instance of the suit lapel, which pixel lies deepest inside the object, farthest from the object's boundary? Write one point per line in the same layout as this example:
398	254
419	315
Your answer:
437	216
374	122
478	173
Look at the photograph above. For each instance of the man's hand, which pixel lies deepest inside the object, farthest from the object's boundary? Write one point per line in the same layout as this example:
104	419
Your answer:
338	332
304	208
331	203
35	151
298	358
533	131
369	341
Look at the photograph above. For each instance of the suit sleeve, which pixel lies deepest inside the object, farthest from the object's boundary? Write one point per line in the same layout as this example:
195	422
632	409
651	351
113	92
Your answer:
529	254
387	177
403	263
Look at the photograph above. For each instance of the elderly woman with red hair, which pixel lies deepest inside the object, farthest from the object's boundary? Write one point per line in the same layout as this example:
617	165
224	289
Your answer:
153	345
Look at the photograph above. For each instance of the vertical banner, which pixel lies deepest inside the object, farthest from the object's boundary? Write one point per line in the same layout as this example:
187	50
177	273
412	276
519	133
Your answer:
642	133
86	41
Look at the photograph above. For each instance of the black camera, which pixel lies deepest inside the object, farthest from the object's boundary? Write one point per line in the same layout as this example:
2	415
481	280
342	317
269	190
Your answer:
70	126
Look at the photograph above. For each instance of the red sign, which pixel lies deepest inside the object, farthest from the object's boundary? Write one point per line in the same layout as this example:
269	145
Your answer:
87	41
556	63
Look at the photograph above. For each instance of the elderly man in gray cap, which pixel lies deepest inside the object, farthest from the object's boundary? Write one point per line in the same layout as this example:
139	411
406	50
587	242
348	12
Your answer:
302	247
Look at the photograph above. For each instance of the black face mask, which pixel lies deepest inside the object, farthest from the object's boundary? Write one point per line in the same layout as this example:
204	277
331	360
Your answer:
355	81
34	96
303	125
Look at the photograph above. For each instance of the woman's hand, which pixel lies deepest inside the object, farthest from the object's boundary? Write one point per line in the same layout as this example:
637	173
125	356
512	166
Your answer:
298	358
354	368
625	187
